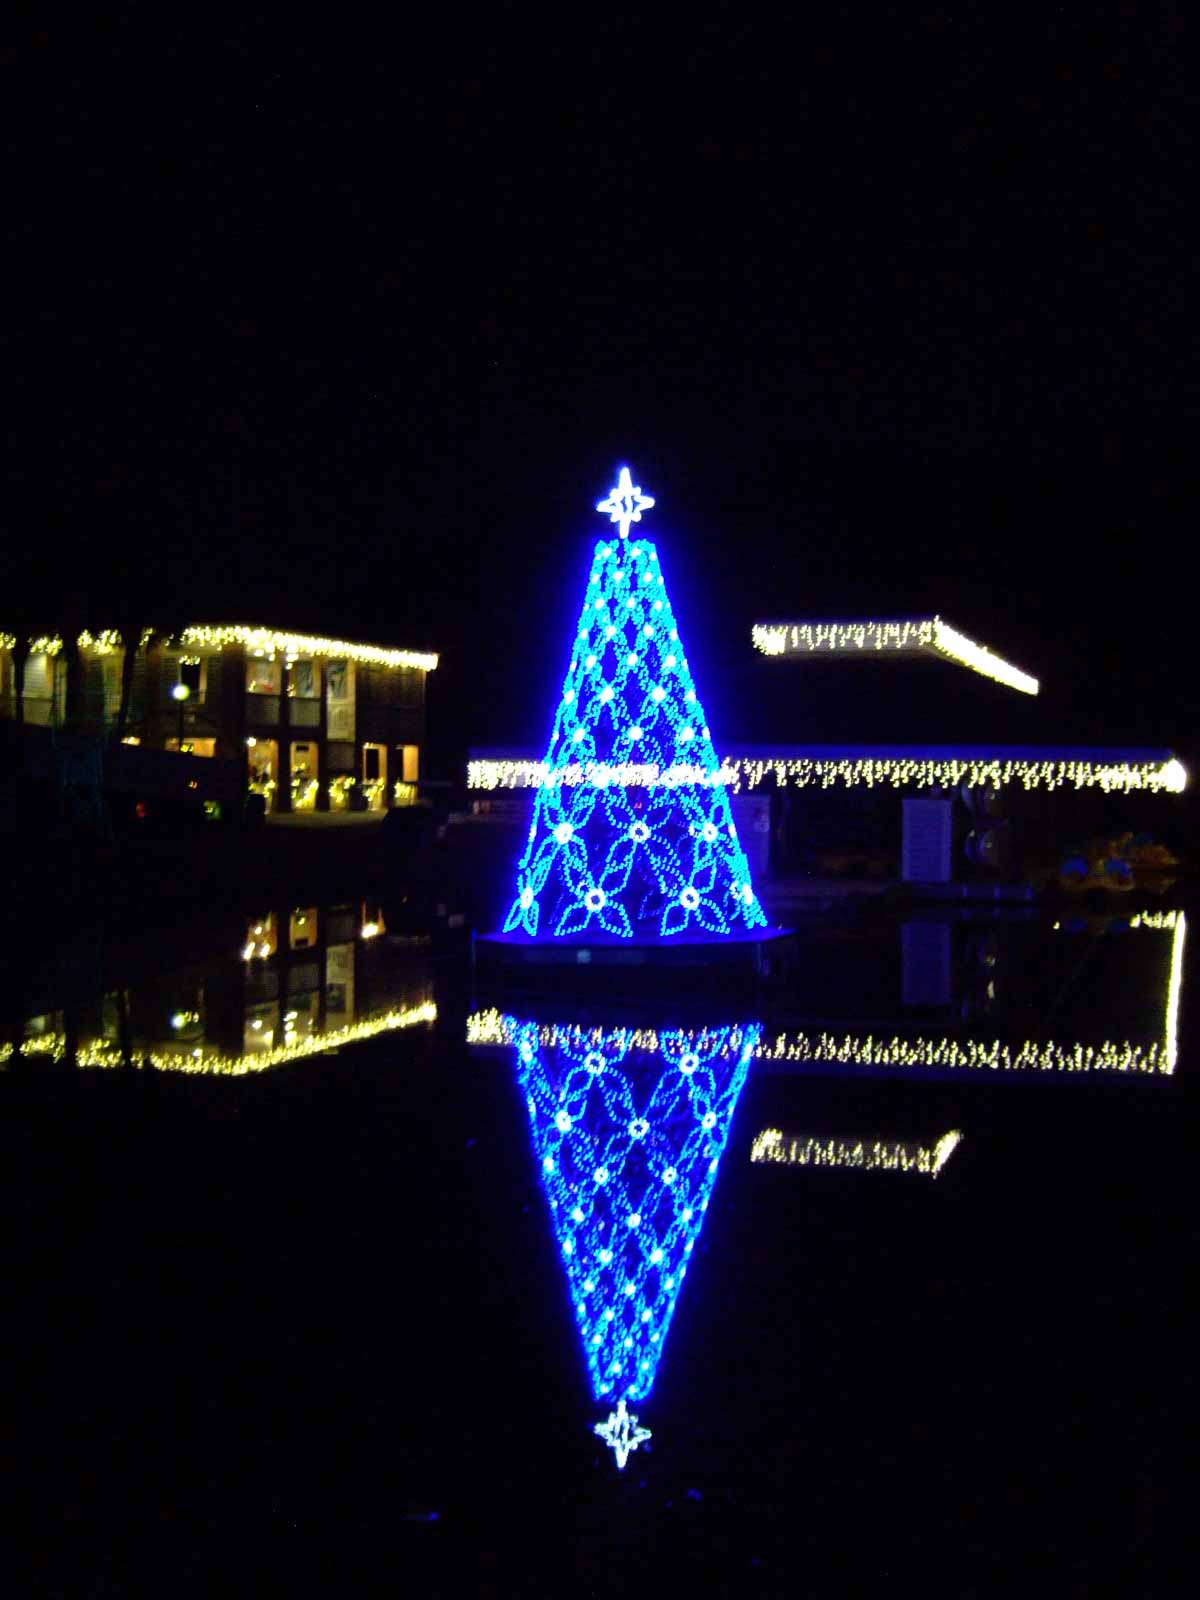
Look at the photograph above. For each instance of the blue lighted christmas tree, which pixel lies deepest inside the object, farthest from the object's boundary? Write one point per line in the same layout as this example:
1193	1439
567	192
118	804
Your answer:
631	834
628	1131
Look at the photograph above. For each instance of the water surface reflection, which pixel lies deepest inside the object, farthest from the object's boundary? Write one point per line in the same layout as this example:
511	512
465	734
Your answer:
628	1131
303	981
293	1263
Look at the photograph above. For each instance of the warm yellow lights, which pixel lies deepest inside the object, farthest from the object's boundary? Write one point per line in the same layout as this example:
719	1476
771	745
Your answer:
491	1027
971	1055
105	643
829	772
773	1147
107	1053
269	642
831	638
941	1053
259	641
1175	777
947	772
1174	983
1158	921
929	635
536	774
947	641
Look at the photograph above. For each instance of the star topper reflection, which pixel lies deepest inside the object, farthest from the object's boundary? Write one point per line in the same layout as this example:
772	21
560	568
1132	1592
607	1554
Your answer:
621	1433
625	502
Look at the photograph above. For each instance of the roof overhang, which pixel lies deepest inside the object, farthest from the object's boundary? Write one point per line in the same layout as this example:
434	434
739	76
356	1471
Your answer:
258	640
887	640
270	641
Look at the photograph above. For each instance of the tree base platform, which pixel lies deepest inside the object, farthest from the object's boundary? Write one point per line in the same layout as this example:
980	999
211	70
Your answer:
736	958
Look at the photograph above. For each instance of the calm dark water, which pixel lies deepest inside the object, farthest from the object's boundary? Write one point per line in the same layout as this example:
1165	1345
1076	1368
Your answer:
286	1321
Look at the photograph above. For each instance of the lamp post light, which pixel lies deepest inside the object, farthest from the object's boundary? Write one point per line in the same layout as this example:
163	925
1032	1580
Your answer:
180	693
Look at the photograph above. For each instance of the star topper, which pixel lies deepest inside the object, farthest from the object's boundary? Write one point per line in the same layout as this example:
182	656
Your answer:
625	502
621	1433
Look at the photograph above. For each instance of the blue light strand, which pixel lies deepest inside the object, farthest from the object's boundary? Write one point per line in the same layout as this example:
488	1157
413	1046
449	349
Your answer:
628	1145
655	858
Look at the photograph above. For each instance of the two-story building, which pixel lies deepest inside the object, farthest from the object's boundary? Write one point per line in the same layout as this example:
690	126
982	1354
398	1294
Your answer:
319	723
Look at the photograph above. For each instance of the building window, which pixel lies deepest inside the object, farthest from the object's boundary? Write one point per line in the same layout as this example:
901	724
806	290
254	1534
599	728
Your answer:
404	790
374	771
262	763
339	699
304	777
110	678
263	675
304	679
39	690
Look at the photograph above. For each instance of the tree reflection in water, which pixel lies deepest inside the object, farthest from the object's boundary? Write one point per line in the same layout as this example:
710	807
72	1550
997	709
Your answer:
628	1130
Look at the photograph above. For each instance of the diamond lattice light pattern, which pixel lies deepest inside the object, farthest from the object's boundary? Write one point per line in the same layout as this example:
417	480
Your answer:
628	1145
646	845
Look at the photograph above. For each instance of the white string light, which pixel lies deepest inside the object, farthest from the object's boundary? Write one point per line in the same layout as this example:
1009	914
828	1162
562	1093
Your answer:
896	771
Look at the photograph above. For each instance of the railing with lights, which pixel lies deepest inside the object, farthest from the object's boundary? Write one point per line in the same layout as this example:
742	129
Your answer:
830	767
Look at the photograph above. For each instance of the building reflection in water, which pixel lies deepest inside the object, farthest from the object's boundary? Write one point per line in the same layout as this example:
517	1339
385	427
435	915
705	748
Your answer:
628	1141
304	980
957	1043
961	1039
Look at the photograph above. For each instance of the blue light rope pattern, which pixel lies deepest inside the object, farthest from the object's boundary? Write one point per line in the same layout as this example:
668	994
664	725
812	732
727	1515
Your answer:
651	853
628	1145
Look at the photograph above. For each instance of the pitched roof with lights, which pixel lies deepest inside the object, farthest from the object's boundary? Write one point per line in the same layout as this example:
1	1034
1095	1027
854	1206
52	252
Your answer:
925	636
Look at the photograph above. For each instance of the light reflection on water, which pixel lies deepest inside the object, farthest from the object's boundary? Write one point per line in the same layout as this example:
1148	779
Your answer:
947	996
302	982
629	1120
937	1134
989	1001
627	1142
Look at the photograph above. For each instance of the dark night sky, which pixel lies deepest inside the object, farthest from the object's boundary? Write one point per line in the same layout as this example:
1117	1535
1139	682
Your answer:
348	332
